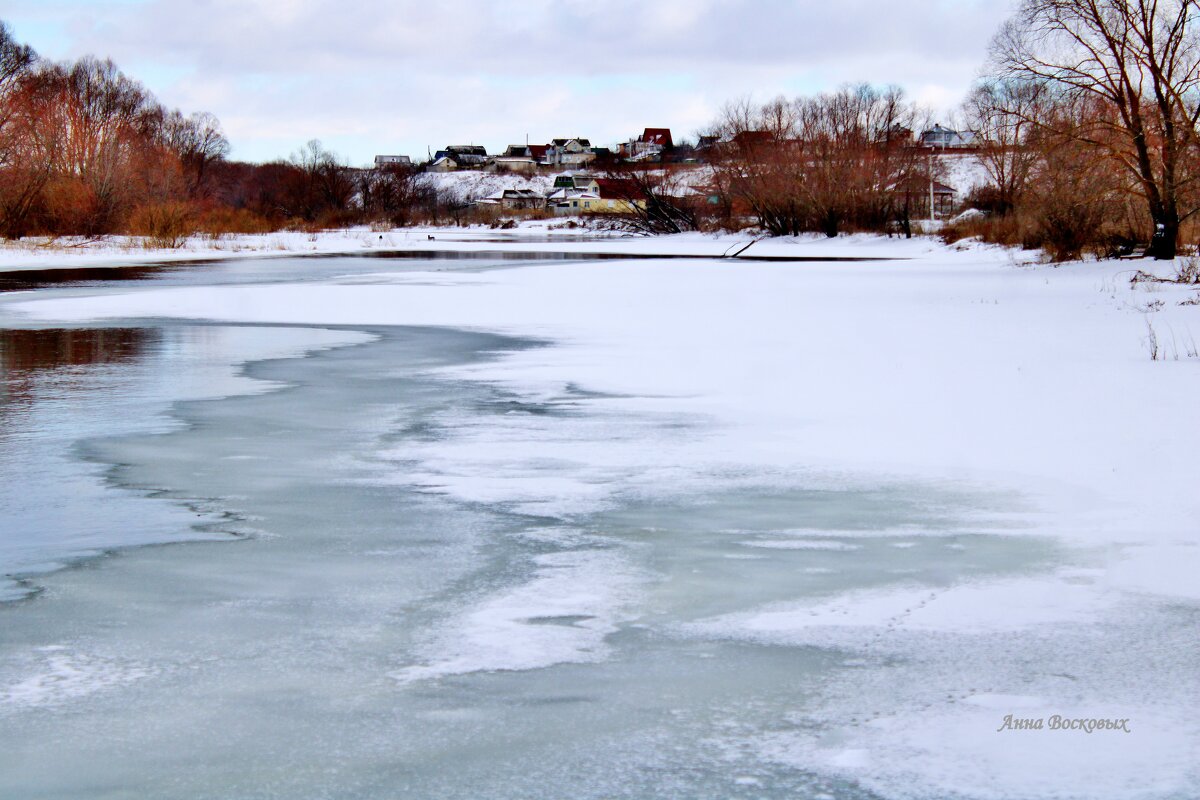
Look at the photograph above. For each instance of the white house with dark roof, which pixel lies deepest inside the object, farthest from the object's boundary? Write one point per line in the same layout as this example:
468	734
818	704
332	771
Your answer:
937	136
575	152
515	199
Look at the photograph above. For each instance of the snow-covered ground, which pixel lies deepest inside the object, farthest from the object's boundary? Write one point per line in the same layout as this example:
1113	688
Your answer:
67	253
530	236
470	185
962	369
963	172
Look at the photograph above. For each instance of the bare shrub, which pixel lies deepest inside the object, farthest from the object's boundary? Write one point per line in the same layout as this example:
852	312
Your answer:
1188	271
165	225
219	221
1011	230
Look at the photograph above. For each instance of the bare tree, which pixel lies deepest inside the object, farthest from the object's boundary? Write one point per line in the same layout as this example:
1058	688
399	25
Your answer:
395	193
826	163
1070	205
1005	116
320	184
198	142
858	157
24	164
655	198
1141	60
16	60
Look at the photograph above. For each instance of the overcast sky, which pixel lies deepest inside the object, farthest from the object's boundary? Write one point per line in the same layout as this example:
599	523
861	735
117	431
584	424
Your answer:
398	76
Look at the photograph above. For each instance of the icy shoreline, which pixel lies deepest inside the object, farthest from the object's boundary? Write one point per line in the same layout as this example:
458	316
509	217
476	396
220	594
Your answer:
536	239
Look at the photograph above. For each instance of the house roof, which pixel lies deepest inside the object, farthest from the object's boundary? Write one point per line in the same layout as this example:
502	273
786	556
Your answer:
947	137
517	194
618	188
919	185
754	137
570	193
575	180
661	136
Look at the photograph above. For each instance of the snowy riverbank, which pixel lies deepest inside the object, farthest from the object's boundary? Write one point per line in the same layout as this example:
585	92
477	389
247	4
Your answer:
534	237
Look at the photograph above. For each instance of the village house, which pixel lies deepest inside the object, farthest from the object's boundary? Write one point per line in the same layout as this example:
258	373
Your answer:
515	164
584	194
750	140
940	137
515	199
516	158
393	161
572	187
577	182
575	204
570	153
650	146
464	156
619	196
570	191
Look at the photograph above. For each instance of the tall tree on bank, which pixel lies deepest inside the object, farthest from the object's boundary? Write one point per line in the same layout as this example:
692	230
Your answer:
22	174
1007	117
1140	59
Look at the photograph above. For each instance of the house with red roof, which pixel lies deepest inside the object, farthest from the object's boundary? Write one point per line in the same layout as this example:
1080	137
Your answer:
650	146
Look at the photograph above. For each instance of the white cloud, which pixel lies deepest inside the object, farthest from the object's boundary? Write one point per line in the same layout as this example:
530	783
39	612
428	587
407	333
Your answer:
399	75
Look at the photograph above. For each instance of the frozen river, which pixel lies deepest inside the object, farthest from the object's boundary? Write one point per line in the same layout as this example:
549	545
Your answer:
394	573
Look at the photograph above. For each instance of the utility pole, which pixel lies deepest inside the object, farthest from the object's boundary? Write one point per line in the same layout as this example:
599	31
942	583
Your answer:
931	217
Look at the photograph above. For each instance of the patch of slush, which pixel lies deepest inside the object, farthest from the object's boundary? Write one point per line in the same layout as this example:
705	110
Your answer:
959	752
974	608
562	455
802	544
561	614
62	676
904	531
921	712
